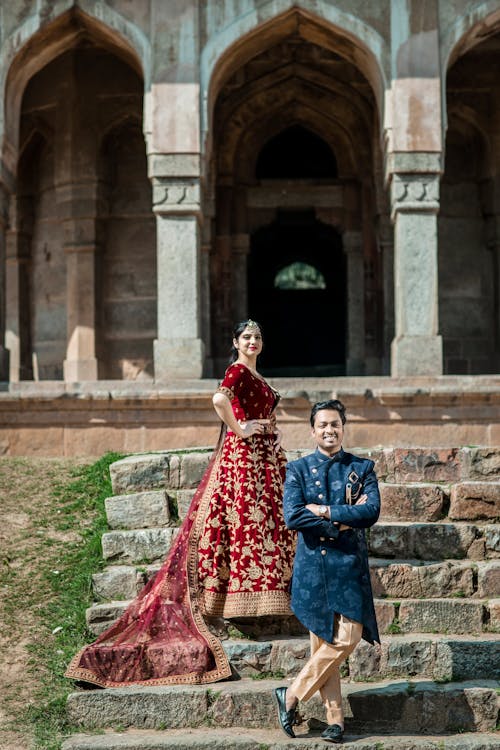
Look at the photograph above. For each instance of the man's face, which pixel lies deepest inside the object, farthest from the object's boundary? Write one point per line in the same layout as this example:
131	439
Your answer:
328	431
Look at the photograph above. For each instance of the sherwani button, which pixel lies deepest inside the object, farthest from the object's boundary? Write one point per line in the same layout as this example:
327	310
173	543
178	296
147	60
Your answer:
320	496
314	471
317	483
323	551
322	539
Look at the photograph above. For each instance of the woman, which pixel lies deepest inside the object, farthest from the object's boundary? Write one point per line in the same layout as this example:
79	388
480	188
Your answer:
231	557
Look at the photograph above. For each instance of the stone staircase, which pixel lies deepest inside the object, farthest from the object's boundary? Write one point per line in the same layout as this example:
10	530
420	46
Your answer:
434	683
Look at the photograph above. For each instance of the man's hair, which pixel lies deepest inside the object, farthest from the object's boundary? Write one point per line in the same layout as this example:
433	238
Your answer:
333	405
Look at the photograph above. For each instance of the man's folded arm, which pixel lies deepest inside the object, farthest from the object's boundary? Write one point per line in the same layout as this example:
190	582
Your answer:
297	516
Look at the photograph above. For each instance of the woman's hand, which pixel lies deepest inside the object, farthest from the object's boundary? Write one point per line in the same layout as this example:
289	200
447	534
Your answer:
278	438
252	427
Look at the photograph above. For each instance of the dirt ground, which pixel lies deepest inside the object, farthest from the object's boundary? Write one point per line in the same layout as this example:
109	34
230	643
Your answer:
25	535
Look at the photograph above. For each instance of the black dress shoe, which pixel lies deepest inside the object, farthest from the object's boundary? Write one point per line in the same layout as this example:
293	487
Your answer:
285	718
333	733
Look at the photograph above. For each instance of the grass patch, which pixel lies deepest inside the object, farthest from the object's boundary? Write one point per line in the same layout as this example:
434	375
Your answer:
64	554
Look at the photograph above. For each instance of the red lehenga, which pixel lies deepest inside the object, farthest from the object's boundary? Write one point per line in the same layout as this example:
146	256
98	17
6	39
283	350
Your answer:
232	557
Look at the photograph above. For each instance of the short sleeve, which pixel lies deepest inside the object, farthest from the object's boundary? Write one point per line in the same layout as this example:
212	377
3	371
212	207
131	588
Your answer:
233	381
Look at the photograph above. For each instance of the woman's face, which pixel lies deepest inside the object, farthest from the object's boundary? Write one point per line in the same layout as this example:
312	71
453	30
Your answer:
249	342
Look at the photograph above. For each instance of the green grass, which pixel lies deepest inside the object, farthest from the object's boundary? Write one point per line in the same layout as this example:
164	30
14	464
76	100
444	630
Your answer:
64	573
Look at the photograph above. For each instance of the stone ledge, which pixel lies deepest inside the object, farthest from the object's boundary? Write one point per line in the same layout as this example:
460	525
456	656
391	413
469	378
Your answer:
238	739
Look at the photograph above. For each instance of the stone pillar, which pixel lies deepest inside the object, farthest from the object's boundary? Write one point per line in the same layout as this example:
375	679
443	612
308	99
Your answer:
4	354
178	350
417	347
353	248
239	290
386	247
77	204
18	310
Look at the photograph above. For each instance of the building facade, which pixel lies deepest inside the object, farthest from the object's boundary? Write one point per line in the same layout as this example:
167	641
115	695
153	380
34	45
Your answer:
329	168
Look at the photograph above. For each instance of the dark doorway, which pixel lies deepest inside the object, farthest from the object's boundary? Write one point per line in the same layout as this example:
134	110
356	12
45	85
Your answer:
297	290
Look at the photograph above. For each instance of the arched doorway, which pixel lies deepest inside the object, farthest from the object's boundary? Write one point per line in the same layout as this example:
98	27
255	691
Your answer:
297	290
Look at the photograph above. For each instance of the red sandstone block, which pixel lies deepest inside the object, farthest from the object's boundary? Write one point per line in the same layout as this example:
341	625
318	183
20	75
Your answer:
471	501
494	610
385	612
427	464
404	580
411	502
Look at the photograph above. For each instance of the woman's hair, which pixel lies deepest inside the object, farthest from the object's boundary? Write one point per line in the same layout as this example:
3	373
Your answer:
237	331
332	405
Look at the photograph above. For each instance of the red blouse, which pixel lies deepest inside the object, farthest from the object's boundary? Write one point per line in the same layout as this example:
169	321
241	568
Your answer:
251	397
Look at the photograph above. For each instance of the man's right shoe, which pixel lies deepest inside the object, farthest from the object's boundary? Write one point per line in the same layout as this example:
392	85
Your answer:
333	733
285	718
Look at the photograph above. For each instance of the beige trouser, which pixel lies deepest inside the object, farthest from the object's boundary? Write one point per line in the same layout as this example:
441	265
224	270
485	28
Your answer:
321	672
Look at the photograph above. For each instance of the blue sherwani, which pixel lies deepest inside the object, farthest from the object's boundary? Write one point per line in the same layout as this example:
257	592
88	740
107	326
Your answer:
331	573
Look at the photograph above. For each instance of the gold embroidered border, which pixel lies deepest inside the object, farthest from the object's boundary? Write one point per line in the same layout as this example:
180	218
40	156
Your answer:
226	391
246	604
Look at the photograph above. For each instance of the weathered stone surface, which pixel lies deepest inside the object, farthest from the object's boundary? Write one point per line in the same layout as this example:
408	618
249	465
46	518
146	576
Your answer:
151	707
411	502
289	656
484	463
492	538
465	660
183	501
385	612
428	541
193	466
426	580
208	738
422	707
441	616
488	579
427	465
100	616
138	511
471	501
140	473
139	545
115	582
494	613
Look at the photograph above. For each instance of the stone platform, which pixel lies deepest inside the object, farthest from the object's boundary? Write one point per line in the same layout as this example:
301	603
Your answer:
49	418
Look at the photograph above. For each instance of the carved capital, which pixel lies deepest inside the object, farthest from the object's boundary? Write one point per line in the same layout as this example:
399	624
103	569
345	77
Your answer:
415	193
178	196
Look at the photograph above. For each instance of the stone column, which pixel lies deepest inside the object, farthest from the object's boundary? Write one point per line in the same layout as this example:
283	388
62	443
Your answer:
386	246
353	248
178	350
77	204
239	287
417	347
4	354
18	308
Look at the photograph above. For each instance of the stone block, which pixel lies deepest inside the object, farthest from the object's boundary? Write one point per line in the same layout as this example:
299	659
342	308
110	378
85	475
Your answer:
385	612
474	501
364	662
484	463
249	658
494	615
411	502
193	466
427	541
441	616
116	582
492	538
465	660
488	579
138	511
139	545
146	708
427	580
288	656
183	501
140	473
100	616
407	657
427	464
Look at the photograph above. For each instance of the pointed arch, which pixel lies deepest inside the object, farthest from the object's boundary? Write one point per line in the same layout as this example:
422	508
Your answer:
234	44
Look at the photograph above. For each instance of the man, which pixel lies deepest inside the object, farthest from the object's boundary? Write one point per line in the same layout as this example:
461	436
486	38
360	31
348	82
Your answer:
330	496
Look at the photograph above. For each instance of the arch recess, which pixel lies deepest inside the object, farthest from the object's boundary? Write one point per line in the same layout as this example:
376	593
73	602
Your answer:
315	20
33	46
469	29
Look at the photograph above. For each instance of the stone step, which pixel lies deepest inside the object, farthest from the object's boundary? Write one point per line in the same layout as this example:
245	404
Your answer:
434	541
173	470
435	615
426	542
140	510
391	706
418	501
413	579
260	739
